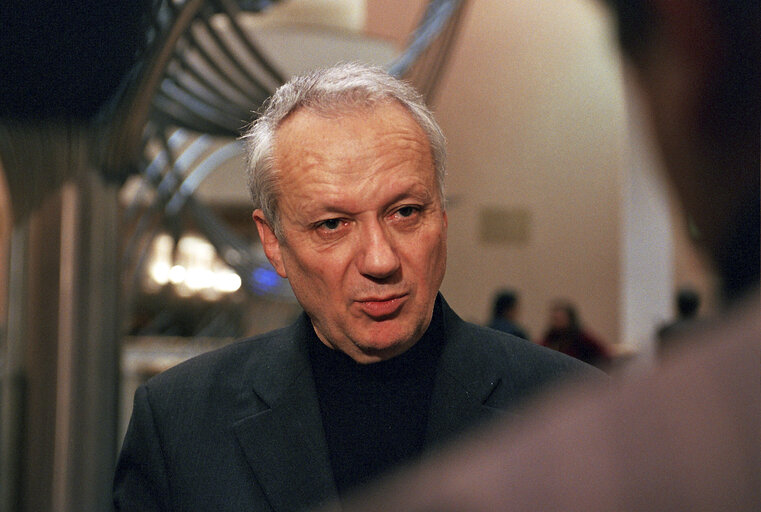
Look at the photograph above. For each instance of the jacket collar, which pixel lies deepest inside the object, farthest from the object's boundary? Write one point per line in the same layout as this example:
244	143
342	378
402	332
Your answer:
464	383
281	434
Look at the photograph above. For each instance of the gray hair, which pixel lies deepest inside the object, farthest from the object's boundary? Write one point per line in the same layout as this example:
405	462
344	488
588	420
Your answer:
329	91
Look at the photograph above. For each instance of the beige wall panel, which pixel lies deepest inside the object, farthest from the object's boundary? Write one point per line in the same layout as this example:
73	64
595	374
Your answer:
533	108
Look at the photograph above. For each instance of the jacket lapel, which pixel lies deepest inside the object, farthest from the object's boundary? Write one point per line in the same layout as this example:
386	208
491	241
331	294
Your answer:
453	408
282	434
463	385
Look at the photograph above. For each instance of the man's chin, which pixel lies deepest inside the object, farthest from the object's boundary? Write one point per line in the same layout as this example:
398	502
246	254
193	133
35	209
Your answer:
373	351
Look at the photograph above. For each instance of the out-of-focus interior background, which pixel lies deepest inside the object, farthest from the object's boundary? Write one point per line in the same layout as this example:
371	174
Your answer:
126	243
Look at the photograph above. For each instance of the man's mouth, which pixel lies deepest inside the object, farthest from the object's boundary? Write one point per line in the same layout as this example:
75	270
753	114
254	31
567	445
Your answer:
380	307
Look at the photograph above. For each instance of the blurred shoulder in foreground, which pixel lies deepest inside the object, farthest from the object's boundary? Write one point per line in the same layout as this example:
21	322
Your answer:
684	438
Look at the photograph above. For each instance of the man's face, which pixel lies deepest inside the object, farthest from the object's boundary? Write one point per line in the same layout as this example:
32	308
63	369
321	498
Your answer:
364	229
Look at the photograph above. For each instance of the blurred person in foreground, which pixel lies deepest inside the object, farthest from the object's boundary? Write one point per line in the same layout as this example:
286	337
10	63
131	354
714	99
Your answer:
505	314
346	167
686	436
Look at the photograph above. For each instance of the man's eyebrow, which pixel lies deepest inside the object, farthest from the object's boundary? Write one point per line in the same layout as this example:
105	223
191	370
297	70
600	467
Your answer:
416	191
320	207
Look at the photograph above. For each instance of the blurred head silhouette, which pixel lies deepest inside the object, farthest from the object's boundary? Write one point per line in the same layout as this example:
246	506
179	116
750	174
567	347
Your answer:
697	63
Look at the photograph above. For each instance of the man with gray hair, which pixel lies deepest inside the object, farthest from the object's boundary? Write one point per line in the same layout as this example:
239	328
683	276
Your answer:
346	171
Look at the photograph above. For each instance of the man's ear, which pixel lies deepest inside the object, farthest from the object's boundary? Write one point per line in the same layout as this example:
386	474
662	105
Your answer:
270	243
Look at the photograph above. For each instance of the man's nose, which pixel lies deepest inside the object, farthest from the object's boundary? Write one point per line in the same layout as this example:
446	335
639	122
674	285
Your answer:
377	256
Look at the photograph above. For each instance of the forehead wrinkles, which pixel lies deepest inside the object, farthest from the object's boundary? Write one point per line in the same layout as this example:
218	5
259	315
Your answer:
308	143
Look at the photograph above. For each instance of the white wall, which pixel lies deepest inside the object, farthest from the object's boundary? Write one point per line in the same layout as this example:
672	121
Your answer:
647	269
533	107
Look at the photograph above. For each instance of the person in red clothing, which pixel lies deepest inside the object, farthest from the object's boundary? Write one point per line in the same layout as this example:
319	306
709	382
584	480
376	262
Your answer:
567	335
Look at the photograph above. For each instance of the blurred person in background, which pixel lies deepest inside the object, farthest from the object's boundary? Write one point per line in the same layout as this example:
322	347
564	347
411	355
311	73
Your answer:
566	334
505	314
687	303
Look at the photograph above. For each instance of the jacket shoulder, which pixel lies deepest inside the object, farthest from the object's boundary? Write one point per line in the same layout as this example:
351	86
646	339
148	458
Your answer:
229	368
522	367
514	352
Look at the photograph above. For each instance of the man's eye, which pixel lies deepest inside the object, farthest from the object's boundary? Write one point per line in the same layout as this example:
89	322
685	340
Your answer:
406	211
330	224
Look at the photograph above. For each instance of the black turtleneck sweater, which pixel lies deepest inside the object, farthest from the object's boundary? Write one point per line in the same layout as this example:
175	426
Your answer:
375	415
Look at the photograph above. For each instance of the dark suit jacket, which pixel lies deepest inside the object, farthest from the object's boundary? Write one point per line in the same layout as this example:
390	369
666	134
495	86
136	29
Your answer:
239	428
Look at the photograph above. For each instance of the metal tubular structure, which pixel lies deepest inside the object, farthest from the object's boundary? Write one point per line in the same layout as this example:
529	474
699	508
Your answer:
207	77
200	74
